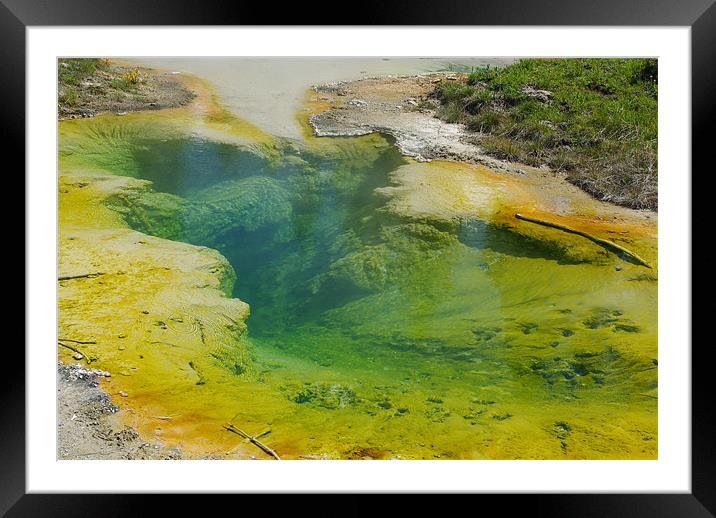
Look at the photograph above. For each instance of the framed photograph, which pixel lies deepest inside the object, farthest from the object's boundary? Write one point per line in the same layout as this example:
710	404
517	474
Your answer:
456	244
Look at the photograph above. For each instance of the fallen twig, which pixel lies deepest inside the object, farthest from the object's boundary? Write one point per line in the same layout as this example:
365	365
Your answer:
70	348
82	276
253	439
60	341
605	243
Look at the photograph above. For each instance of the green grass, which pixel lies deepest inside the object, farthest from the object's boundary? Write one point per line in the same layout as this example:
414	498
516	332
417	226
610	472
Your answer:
122	83
596	120
68	98
72	71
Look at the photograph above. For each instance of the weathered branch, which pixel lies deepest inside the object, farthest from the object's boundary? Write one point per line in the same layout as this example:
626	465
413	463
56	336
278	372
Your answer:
70	348
82	276
61	342
253	439
604	242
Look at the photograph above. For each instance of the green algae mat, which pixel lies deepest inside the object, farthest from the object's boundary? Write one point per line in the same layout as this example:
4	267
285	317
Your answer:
375	331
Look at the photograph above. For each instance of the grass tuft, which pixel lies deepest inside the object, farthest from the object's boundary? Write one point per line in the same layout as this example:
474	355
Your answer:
72	71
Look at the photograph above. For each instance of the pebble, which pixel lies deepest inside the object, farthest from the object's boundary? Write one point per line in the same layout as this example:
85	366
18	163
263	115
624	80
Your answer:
77	356
122	393
358	103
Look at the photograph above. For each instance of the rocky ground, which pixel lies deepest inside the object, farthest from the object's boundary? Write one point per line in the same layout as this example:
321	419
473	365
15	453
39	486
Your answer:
115	88
87	424
400	107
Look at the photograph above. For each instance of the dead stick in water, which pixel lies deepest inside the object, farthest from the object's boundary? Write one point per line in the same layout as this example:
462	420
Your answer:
70	348
605	243
238	431
81	353
253	439
84	275
61	341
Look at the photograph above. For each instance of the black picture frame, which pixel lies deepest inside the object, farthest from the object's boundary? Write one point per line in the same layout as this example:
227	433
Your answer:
699	15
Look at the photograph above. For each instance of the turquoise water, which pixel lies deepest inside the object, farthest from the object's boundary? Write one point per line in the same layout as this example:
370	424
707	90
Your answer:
308	234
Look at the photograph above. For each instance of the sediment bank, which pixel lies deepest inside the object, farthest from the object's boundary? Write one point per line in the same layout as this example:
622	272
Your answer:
87	427
397	106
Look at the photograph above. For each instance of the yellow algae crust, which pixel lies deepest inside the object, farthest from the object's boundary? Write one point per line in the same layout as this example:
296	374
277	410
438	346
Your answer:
152	312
